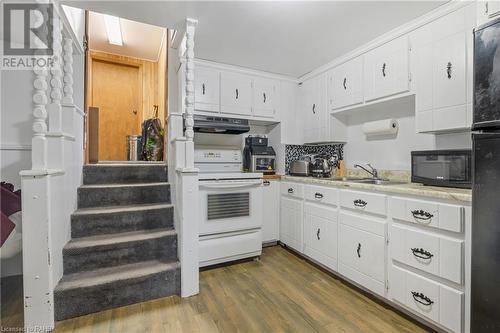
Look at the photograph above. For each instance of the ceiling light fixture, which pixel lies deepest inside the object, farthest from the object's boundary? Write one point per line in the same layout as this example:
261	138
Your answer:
113	29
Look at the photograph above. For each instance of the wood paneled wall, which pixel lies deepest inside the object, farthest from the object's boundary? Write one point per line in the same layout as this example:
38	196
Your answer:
153	80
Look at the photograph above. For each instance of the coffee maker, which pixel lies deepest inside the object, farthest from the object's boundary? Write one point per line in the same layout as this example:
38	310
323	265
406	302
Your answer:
258	156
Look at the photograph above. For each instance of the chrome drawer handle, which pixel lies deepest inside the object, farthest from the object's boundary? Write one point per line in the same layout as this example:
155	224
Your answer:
318	195
266	182
421	253
290	190
422	215
317	234
421	298
360	203
358	250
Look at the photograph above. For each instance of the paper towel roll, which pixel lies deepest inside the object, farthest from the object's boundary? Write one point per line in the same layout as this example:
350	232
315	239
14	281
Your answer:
381	127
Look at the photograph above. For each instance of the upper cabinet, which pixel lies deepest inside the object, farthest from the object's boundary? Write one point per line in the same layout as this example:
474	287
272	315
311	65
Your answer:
265	97
386	69
487	10
345	84
206	89
236	93
442	64
313	110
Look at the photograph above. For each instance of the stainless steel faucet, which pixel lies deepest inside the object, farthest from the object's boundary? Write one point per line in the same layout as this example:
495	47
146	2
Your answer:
374	171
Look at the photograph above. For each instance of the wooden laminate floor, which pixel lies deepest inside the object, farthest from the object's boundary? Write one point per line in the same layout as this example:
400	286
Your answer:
279	293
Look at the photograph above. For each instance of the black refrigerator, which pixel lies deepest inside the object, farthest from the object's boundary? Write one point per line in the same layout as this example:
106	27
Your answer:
485	280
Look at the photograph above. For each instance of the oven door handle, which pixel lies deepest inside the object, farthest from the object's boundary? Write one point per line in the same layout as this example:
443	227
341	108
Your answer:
231	185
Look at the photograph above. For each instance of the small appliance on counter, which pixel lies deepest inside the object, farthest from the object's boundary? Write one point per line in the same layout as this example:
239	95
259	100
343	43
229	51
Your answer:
258	156
316	165
447	168
300	168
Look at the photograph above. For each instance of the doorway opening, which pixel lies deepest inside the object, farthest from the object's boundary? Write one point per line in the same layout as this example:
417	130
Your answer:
126	90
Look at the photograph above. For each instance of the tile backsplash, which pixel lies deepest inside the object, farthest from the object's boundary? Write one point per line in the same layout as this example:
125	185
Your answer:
294	152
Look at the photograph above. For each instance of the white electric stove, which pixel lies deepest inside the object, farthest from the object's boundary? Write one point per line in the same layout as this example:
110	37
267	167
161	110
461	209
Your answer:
231	207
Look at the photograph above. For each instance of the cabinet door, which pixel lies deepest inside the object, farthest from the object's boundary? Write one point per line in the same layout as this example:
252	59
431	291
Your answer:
206	89
345	84
308	110
265	97
236	94
450	82
387	70
270	223
291	126
320	234
291	222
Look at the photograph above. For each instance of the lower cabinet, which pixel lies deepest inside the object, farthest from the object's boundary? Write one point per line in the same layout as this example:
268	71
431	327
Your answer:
320	234
292	211
271	211
362	251
432	300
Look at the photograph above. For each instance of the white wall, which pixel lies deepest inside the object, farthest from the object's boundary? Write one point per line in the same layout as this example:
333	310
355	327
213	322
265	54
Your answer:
393	152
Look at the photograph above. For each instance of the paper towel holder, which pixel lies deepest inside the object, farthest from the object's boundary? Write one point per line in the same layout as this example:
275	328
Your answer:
381	128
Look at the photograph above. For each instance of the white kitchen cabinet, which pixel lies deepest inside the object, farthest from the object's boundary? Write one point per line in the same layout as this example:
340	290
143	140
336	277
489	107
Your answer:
265	97
291	127
429	299
291	222
236	93
442	64
270	211
345	84
320	234
386	69
206	89
314	111
362	251
487	10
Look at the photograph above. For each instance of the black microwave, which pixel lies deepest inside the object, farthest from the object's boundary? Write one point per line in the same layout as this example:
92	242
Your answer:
449	168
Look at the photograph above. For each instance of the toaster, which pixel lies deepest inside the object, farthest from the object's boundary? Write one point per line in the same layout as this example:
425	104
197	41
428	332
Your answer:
300	168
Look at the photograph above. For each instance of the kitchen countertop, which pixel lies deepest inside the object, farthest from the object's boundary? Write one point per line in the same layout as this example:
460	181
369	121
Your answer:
456	194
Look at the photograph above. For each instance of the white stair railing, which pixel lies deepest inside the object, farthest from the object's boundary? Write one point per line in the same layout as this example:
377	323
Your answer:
49	187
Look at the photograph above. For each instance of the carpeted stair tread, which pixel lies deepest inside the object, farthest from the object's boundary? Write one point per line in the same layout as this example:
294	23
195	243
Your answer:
120	209
121	185
124	173
115	274
80	244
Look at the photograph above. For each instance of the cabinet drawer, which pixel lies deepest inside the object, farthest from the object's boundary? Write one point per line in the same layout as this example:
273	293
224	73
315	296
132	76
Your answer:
429	299
292	189
438	255
364	202
437	215
320	234
363	252
320	194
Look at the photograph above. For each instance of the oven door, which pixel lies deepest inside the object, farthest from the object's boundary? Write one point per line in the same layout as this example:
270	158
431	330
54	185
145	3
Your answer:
230	205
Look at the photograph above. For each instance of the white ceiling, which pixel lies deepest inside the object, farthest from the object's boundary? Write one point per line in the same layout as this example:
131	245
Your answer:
285	37
140	40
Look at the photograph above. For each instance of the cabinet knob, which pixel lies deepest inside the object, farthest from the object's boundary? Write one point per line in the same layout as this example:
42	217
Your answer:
421	253
421	298
383	69
448	70
345	83
266	182
422	215
203	88
290	190
318	195
317	233
360	203
358	250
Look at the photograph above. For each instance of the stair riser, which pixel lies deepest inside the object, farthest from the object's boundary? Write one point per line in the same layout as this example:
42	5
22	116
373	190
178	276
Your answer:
164	248
123	196
126	174
109	223
78	302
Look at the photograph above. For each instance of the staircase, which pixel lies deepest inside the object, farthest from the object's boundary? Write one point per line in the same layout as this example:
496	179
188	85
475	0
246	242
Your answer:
124	247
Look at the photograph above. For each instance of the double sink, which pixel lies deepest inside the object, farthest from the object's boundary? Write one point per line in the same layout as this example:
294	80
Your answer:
373	181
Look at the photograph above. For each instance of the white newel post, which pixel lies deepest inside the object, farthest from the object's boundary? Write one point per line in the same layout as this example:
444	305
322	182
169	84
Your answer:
35	184
68	106
187	179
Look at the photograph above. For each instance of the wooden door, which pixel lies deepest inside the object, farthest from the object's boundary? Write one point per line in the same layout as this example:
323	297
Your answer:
116	91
